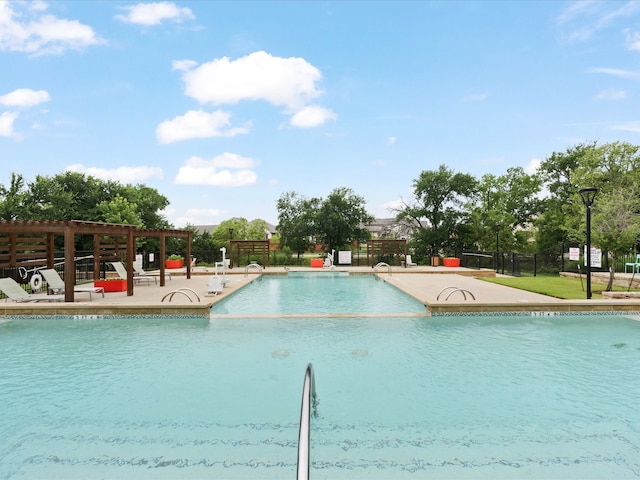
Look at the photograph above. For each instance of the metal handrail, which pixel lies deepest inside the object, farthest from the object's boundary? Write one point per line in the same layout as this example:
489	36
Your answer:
182	291
246	269
309	406
454	290
380	265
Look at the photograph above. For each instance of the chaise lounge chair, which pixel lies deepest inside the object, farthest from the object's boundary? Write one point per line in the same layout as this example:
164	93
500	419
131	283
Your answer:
56	285
122	273
12	290
138	271
409	263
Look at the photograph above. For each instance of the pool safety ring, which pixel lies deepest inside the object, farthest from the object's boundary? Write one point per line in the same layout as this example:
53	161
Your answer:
36	282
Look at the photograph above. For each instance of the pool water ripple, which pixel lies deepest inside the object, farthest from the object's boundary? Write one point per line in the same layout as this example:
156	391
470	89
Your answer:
400	397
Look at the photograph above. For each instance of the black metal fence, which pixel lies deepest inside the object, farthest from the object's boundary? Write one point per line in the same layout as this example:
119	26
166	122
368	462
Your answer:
547	262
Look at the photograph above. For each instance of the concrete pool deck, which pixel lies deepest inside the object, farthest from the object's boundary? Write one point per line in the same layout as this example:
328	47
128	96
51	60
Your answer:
444	290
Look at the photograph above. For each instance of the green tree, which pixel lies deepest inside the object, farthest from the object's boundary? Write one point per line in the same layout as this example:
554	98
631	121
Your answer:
119	210
614	169
510	201
436	210
558	172
296	221
341	219
12	199
257	229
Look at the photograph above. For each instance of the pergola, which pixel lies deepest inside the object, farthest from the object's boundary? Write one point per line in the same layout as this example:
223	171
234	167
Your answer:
386	248
31	243
249	248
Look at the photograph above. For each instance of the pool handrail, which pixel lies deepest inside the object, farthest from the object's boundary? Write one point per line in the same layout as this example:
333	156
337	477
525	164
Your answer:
382	264
254	265
309	406
454	290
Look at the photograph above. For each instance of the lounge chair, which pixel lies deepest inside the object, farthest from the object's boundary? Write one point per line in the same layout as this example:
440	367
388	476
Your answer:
409	263
138	271
635	266
12	290
56	285
122	273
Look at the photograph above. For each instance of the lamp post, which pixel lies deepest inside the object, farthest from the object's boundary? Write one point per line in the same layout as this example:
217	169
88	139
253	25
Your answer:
588	194
497	228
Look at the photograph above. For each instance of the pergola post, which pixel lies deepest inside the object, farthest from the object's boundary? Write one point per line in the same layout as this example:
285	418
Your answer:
69	263
130	257
51	260
163	256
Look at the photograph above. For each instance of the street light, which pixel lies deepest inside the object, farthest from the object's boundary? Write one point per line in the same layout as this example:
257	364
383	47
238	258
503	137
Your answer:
497	228
588	194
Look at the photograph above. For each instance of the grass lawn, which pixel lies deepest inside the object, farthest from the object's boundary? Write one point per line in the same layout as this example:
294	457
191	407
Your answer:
556	286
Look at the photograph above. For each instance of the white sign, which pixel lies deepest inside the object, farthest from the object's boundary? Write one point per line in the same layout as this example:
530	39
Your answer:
152	257
596	257
574	254
344	257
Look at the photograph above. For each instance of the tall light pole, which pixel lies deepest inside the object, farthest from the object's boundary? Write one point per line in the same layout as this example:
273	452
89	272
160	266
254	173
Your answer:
588	194
497	228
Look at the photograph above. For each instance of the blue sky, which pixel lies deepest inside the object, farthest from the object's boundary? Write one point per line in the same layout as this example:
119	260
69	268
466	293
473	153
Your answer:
224	106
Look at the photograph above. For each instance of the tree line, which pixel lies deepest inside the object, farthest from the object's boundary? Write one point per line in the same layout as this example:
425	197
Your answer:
447	213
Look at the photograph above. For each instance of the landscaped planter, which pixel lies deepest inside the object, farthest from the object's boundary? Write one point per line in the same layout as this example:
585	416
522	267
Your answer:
451	262
174	263
114	285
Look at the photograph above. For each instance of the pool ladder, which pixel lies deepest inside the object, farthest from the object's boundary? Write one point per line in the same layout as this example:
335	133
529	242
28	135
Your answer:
309	406
252	265
380	265
454	290
181	291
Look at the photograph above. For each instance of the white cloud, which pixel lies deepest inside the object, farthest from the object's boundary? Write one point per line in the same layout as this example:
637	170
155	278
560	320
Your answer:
533	166
120	174
226	170
155	13
183	64
28	28
24	97
197	124
6	124
290	83
633	41
627	127
582	19
312	116
611	94
391	140
616	72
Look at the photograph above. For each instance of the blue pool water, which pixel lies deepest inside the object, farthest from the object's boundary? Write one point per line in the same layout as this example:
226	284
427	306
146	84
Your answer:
400	397
323	292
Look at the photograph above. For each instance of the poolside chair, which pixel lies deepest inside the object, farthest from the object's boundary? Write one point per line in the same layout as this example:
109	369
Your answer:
55	284
635	266
138	271
12	290
122	273
409	263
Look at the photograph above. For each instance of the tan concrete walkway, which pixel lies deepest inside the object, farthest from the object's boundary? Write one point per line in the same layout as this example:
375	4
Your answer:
441	289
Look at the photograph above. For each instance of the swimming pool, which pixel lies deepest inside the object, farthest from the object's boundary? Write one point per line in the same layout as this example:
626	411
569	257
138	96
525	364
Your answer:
400	397
316	293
